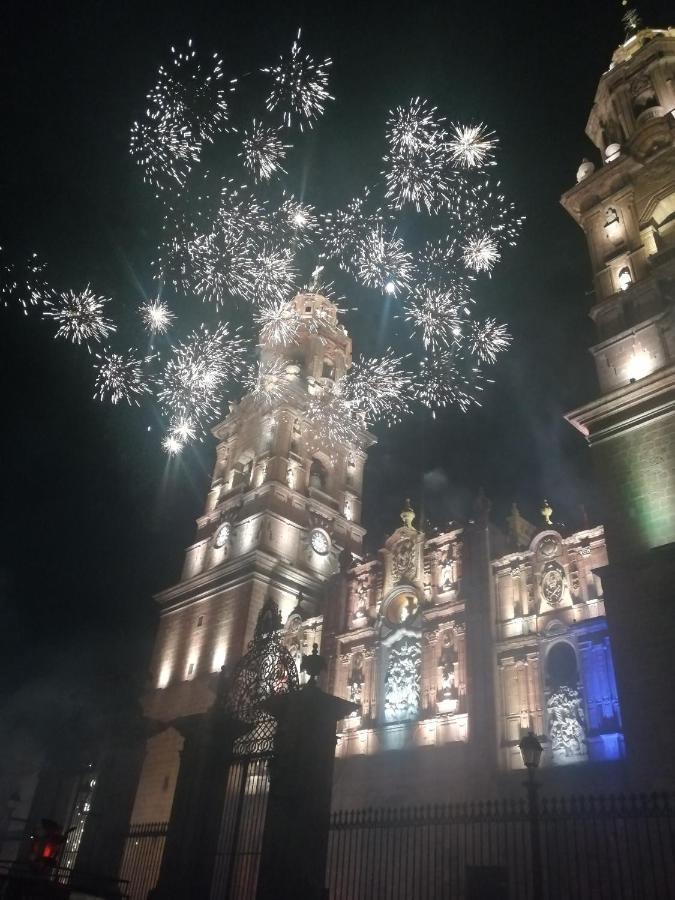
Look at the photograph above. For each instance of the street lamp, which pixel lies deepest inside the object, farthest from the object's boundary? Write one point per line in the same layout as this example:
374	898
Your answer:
531	750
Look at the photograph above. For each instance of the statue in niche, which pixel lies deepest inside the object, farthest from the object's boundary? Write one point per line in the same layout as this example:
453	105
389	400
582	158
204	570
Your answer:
356	681
403	559
290	475
447	578
448	693
402	681
361	591
351	469
296	433
566	724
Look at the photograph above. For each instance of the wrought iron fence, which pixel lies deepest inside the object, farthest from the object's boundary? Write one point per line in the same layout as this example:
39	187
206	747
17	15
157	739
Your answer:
142	858
618	848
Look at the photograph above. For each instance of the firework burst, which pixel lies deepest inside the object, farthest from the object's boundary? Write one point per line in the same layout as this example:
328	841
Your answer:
334	423
156	316
379	388
263	151
384	263
79	315
471	146
481	253
267	381
192	382
448	379
436	316
119	376
299	87
163	149
221	263
487	339
270	275
190	95
25	284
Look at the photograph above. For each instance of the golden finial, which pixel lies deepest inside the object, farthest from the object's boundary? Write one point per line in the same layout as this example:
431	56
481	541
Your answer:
547	512
407	514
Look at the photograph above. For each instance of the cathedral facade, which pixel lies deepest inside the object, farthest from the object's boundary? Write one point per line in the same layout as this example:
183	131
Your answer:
452	645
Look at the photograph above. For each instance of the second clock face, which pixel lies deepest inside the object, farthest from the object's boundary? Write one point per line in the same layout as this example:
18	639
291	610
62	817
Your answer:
320	541
222	535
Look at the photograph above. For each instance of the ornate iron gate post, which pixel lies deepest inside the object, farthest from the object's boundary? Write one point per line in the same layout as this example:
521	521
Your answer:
295	838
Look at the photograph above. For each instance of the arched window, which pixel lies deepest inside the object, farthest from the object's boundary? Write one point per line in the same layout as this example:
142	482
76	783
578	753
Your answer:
328	370
318	475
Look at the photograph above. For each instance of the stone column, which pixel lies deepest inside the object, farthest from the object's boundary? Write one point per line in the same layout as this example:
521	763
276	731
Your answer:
295	839
194	826
478	589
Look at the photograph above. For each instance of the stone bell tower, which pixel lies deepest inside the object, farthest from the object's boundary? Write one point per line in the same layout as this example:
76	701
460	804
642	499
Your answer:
284	503
626	208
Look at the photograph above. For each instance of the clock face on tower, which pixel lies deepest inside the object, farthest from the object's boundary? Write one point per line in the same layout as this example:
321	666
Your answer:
320	541
222	535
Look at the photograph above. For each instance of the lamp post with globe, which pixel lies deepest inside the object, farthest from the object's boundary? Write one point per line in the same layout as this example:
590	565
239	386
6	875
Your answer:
531	751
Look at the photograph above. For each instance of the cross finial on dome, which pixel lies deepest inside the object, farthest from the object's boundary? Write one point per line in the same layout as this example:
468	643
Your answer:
407	514
547	512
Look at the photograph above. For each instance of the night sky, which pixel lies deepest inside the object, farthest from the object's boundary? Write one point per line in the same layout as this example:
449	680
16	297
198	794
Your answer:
95	520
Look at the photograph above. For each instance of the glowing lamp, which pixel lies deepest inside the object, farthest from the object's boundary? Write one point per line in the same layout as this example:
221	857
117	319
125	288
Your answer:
530	750
639	366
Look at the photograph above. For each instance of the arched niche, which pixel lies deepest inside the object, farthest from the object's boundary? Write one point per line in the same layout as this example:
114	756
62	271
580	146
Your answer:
565	711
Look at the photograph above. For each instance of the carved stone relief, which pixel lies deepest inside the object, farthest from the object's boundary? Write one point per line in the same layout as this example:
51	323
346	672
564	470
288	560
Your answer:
403	559
566	725
403	680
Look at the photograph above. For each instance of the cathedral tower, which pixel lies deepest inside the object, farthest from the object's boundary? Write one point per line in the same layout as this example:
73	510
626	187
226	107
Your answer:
284	503
626	207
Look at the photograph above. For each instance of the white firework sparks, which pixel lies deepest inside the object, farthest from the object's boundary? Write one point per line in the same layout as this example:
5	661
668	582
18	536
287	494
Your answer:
414	128
278	323
79	315
471	146
418	180
270	275
172	445
267	381
192	383
156	316
418	157
120	376
182	430
221	264
263	151
333	421
436	316
481	253
344	229
384	263
163	149
299	87
487	339
190	95
24	284
446	379
379	388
